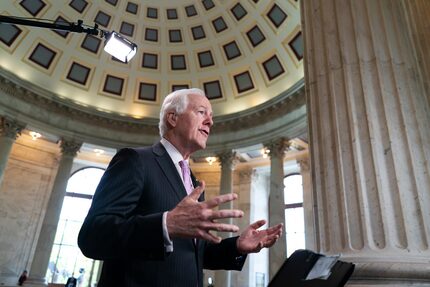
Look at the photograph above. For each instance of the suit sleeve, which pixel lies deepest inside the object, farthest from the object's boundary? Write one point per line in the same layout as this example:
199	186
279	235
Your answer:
223	255
113	228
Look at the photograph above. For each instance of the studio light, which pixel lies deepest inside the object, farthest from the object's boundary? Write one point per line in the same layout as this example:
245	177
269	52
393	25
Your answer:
116	45
119	47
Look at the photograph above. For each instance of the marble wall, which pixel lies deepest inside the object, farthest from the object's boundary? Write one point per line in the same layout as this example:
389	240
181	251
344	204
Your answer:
24	192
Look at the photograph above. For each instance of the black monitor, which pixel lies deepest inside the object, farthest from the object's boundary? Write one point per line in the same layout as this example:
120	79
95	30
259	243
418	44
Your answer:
295	270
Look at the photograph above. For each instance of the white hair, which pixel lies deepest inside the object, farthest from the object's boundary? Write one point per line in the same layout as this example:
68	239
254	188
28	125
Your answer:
176	101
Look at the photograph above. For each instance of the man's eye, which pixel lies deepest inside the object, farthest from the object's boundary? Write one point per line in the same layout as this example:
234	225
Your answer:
201	112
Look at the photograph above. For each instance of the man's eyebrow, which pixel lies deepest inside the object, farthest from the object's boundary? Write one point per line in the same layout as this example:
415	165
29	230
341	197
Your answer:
202	107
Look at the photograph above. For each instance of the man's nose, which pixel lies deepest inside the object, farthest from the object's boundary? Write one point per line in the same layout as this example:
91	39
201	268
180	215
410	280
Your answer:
209	121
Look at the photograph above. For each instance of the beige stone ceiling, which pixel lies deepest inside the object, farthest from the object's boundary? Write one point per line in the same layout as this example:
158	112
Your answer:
71	67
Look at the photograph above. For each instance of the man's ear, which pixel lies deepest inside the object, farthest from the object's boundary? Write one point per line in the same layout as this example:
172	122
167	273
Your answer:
172	119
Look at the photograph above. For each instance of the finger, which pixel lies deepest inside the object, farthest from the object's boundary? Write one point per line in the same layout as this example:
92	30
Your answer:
221	227
220	200
270	243
258	224
275	229
270	240
206	235
226	213
195	194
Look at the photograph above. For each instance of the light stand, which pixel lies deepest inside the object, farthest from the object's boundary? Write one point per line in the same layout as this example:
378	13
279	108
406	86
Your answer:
116	45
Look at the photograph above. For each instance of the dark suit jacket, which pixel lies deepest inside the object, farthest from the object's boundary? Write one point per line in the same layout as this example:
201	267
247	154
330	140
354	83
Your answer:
124	226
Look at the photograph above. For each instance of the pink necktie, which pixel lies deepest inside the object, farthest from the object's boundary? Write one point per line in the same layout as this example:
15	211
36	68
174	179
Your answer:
186	175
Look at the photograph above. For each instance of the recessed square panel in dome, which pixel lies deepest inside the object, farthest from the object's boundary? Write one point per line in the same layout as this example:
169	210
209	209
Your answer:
172	14
180	87
296	45
190	10
61	21
231	50
219	24
151	35
198	32
175	36
205	59
127	29
177	62
147	91
243	82
213	90
150	61
208	4
112	2
276	15
131	8
42	55
238	11
91	43
32	6
152	13
273	67
102	19
255	36
9	33
113	85
78	73
78	5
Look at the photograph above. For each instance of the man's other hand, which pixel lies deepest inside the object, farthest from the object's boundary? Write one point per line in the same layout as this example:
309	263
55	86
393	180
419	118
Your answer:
253	240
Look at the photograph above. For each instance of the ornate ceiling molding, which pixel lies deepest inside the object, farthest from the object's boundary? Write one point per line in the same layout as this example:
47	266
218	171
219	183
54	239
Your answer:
284	114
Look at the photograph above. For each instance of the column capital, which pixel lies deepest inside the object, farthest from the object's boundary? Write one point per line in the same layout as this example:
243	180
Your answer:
245	175
70	147
10	128
277	147
228	159
304	164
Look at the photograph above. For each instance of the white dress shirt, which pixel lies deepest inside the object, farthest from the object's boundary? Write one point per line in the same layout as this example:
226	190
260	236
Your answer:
176	157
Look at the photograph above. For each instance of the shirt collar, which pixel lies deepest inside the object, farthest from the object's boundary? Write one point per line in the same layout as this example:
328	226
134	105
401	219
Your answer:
174	154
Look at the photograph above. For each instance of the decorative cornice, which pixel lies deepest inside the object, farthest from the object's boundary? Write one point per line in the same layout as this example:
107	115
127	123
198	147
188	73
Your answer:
74	111
67	118
280	105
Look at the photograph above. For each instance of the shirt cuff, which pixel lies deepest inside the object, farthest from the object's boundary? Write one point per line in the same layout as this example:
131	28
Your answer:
168	244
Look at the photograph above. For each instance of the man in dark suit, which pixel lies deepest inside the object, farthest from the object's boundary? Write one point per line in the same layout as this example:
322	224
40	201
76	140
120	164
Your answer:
148	220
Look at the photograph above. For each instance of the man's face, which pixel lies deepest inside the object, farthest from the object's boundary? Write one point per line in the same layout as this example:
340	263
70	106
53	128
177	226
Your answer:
193	125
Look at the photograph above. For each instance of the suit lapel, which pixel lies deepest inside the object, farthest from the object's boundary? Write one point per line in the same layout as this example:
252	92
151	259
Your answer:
171	173
169	170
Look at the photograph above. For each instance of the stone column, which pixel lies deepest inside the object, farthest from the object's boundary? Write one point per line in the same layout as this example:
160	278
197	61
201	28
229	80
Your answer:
46	238
227	160
369	128
9	132
308	204
244	192
278	252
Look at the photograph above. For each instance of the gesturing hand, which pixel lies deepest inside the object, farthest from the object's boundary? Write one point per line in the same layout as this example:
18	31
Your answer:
253	240
193	219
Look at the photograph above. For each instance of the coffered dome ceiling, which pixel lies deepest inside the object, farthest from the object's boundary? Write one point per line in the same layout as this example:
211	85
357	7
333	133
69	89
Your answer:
242	53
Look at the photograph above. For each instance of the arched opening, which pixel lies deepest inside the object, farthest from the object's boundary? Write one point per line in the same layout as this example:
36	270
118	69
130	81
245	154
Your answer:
294	213
66	258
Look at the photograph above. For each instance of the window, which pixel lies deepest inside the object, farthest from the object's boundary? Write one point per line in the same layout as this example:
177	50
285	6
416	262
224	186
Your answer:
66	257
294	214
